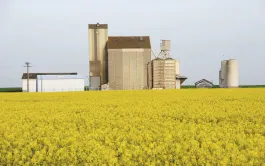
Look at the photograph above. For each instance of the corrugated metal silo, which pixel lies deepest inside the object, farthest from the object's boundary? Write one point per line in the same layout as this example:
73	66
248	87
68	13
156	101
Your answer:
149	75
165	45
232	74
170	73
178	83
158	73
164	73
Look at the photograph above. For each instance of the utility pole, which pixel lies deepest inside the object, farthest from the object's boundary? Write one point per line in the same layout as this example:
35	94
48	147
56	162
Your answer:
28	66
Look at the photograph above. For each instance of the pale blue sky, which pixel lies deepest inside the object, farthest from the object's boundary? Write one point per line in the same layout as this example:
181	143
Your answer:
53	36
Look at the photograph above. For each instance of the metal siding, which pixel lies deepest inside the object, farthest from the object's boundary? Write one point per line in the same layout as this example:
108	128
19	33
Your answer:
147	59
127	68
32	85
111	69
177	67
119	70
149	75
170	74
140	72
165	45
133	71
164	74
60	85
178	84
204	85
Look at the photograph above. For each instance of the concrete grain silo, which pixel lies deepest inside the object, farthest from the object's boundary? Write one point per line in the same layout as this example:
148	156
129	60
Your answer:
98	37
223	74
232	74
228	75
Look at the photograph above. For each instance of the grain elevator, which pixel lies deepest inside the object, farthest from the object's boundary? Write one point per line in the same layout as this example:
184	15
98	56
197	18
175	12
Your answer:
125	62
166	70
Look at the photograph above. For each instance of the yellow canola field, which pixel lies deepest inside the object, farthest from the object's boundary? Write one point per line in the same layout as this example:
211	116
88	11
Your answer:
169	127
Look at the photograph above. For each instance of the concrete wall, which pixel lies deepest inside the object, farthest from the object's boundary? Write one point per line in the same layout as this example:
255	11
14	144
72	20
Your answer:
127	68
95	83
232	74
98	53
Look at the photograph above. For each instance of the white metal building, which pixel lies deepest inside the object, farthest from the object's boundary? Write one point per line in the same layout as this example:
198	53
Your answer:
60	83
32	80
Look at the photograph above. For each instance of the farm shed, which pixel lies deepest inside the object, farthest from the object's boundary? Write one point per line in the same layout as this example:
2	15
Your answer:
203	84
32	80
60	83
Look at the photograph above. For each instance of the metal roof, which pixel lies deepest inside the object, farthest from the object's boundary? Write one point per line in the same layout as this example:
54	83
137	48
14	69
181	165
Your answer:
181	77
203	80
52	77
119	42
34	75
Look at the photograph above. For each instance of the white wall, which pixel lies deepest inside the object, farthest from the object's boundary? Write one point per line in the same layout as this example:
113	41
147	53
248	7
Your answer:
178	84
61	85
32	85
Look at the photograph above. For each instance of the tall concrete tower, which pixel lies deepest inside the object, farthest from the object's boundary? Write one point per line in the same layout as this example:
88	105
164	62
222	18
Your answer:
98	59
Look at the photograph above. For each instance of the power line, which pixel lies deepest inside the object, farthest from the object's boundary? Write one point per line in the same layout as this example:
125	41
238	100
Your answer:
27	66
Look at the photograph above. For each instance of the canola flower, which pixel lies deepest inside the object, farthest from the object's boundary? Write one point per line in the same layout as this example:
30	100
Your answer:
169	127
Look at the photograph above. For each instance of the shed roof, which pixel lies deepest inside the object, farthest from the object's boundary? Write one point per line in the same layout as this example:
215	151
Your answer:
119	42
203	80
98	26
181	78
34	75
